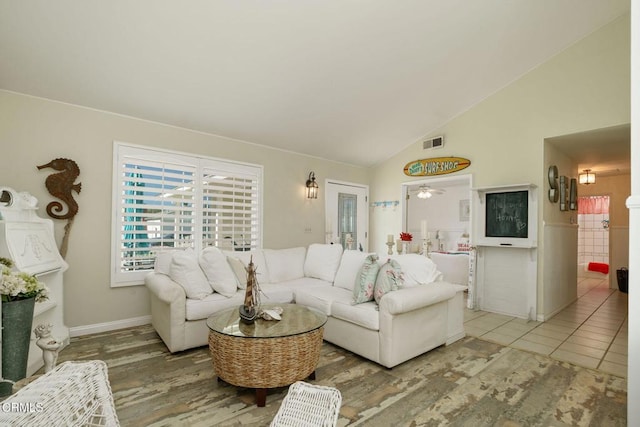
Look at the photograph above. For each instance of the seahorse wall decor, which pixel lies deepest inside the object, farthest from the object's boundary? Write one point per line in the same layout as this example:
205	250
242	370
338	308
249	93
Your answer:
61	185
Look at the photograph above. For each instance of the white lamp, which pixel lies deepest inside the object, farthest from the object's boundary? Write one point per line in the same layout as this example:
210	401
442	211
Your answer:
587	177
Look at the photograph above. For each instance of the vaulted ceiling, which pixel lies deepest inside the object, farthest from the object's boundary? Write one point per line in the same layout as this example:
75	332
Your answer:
353	81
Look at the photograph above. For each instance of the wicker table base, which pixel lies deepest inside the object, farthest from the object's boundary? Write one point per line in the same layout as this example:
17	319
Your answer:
262	363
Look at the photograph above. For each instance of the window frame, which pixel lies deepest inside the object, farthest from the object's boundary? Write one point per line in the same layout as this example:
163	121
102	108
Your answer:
200	164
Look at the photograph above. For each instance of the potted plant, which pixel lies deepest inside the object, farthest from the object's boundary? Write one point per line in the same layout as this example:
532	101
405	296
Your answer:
405	239
19	291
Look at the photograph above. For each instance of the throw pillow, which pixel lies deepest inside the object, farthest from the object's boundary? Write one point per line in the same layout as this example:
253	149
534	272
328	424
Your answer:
322	261
259	262
389	279
239	270
365	284
218	271
162	264
417	269
350	265
186	272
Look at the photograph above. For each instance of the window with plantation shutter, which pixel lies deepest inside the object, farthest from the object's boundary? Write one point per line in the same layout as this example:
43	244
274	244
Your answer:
166	200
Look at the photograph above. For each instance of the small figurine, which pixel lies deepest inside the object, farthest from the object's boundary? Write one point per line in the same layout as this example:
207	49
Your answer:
249	310
49	345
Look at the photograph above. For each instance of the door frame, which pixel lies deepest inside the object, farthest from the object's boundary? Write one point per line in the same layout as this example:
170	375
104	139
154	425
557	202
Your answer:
328	226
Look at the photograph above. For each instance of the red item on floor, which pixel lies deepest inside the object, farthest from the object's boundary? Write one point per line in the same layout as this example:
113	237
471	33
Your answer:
598	266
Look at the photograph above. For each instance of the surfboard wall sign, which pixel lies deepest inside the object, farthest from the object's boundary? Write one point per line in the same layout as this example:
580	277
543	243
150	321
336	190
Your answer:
436	166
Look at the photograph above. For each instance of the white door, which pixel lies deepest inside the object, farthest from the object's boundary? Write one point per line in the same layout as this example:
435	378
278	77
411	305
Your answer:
347	215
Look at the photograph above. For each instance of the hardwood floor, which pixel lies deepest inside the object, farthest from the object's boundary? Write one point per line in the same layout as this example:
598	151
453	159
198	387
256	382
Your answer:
470	383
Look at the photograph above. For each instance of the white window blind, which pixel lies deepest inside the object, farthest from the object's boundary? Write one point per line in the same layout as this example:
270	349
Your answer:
165	200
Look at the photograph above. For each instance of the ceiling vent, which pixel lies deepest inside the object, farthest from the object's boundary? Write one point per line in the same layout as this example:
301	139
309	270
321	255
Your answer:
437	142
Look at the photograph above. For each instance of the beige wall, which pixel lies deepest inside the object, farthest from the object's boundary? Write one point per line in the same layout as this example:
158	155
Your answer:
34	131
559	245
585	87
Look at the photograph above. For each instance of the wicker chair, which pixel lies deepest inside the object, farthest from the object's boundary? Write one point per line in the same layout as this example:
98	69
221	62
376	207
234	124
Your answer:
73	394
309	405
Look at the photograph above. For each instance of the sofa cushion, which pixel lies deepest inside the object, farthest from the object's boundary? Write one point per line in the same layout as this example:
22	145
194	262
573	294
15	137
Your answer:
186	271
322	261
201	309
365	315
366	281
417	269
275	293
304	283
350	265
389	279
285	264
218	271
262	272
321	297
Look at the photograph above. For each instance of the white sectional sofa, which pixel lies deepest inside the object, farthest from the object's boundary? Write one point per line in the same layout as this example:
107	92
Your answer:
424	313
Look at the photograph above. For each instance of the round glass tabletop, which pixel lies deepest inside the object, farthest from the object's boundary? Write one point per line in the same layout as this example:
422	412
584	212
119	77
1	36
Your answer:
295	319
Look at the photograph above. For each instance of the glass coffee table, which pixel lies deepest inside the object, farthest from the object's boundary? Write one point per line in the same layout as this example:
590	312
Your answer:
267	353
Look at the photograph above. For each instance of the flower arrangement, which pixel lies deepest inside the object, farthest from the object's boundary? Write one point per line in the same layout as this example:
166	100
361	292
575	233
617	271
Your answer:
406	237
17	285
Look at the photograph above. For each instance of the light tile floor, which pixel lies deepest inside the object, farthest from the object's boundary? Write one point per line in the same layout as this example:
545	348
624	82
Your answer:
591	332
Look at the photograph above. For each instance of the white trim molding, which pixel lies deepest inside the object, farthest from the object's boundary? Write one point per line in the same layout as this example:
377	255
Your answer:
78	331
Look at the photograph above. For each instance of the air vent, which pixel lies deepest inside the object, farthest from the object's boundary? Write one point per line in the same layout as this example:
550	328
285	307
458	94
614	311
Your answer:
437	142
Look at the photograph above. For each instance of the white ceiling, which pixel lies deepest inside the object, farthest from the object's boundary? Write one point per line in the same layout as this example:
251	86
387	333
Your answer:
354	81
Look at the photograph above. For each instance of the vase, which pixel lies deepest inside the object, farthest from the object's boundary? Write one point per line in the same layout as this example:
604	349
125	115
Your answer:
17	319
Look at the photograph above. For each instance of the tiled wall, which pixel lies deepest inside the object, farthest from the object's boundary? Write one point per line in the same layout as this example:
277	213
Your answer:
593	238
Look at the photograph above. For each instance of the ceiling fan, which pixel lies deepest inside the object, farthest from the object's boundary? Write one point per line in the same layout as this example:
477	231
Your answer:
426	192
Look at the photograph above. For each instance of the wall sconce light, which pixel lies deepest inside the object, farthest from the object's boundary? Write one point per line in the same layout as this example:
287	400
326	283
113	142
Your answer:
587	177
312	186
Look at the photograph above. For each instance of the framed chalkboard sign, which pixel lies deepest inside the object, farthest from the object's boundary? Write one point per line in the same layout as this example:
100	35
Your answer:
507	214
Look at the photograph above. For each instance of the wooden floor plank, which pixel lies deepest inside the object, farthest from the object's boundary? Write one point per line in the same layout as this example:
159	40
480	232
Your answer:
472	382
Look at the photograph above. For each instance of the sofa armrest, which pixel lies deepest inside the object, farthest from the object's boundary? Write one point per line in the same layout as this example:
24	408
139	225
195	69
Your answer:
408	299
165	289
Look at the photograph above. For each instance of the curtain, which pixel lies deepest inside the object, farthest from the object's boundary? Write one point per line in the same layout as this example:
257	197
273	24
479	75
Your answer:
593	205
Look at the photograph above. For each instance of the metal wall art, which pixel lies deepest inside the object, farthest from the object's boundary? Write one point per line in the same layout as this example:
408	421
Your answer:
554	192
61	185
564	199
573	195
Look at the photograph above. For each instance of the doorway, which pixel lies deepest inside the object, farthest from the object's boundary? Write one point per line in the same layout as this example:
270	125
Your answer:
347	215
442	224
444	215
593	236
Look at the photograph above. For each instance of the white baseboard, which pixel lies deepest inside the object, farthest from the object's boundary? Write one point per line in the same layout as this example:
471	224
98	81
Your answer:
78	331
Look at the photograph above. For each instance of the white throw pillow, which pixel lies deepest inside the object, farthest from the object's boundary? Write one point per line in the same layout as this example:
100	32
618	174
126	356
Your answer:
262	272
285	264
186	271
162	264
417	269
322	261
350	265
239	271
218	271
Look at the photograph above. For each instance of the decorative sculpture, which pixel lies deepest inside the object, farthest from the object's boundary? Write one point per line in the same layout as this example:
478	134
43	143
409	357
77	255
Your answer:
49	345
249	310
61	185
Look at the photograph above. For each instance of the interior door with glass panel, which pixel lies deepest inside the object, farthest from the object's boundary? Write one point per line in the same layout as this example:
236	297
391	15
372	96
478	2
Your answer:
347	215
